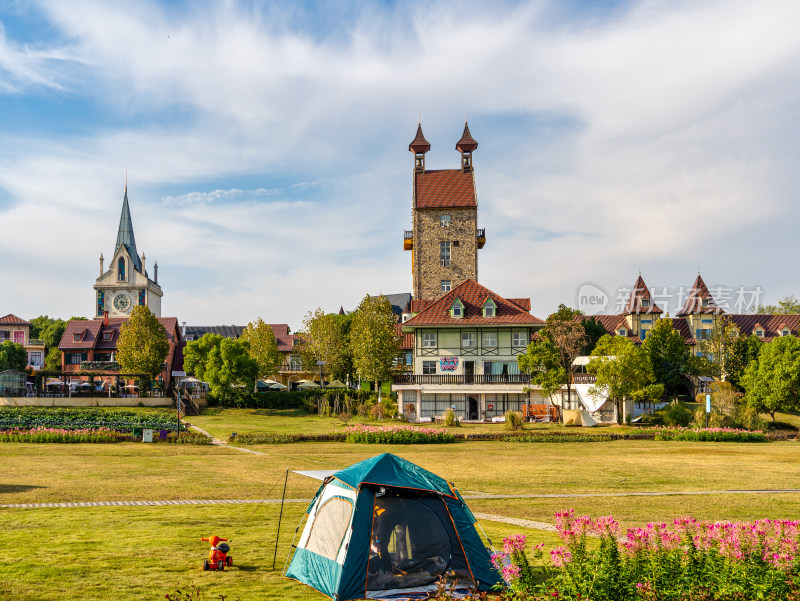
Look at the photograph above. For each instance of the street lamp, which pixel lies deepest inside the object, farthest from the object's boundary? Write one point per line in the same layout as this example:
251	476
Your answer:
320	364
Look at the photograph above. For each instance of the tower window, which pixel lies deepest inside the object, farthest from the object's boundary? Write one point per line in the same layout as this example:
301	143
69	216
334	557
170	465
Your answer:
445	285
444	253
121	269
706	302
645	303
444	220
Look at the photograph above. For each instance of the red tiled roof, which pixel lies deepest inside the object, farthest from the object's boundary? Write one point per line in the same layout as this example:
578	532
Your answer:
418	306
640	291
523	303
13	320
419	144
282	336
444	188
683	329
694	302
472	295
467	143
92	330
407	342
771	324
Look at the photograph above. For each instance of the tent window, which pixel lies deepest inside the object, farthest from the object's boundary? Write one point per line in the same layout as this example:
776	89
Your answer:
409	546
330	526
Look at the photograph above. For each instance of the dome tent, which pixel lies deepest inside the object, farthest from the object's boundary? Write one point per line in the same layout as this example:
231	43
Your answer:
385	528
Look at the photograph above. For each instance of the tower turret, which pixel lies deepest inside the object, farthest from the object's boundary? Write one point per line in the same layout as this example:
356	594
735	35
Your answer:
465	146
419	146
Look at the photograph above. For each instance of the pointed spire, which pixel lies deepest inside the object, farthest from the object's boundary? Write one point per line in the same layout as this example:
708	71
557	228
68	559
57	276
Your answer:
699	300
467	143
640	300
419	145
125	233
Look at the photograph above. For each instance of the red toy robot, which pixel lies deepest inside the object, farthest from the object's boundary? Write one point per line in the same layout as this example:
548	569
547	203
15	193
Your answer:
218	556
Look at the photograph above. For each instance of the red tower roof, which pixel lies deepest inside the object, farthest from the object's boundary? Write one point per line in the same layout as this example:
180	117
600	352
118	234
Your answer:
467	143
419	145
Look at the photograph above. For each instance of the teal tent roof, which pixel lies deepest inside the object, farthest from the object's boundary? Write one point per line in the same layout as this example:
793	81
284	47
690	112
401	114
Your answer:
390	470
125	234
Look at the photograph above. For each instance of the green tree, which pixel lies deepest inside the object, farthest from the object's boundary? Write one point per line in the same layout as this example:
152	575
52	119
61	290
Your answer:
48	329
788	305
52	362
143	345
669	357
374	339
325	339
13	356
718	346
263	348
224	363
594	330
622	370
745	350
772	383
542	360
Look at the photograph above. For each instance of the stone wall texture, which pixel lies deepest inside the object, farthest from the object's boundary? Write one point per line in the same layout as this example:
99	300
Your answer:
428	271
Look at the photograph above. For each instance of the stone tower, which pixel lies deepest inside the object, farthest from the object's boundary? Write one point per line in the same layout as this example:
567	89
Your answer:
445	238
126	283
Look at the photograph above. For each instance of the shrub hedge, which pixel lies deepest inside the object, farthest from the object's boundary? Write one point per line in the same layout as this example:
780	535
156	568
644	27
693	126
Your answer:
71	418
60	435
299	399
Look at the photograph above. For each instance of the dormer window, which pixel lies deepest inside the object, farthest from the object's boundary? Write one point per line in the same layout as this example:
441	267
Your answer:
121	269
78	336
108	336
706	302
489	308
297	342
623	332
645	303
759	332
457	309
785	332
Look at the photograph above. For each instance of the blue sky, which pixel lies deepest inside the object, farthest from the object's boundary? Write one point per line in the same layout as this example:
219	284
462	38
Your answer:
266	146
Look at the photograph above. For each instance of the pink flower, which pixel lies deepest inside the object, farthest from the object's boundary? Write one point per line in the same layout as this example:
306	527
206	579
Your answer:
560	556
515	542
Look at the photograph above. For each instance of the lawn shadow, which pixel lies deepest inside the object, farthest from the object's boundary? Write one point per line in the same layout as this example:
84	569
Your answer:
11	488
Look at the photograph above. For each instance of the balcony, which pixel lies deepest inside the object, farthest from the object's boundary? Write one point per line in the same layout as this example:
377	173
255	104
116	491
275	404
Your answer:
34	342
99	366
481	237
462	379
408	240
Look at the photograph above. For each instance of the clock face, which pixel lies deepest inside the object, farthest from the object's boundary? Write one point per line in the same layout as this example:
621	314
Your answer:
122	302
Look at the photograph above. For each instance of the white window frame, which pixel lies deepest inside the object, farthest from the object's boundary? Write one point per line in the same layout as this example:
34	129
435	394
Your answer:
645	303
518	340
469	339
489	339
444	253
444	220
429	340
446	285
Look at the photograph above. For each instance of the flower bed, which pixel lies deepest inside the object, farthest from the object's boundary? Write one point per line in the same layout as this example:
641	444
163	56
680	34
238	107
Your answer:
687	560
62	435
269	438
398	435
81	418
708	434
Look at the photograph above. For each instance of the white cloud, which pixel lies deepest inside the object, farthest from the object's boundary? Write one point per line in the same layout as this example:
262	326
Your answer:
268	168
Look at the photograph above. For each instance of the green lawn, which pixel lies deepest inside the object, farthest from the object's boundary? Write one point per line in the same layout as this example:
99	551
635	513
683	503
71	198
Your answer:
221	423
145	552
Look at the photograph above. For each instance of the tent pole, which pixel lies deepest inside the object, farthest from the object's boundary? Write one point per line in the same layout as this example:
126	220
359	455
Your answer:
277	536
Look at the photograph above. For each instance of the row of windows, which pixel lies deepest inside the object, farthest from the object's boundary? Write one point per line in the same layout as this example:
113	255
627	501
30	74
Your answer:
490	368
470	339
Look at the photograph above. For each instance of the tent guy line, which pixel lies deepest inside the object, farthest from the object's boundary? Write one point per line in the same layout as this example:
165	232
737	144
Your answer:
479	496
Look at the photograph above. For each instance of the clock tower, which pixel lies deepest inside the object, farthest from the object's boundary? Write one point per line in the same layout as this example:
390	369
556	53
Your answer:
126	283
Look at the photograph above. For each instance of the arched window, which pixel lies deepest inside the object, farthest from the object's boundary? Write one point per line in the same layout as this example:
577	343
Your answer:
121	269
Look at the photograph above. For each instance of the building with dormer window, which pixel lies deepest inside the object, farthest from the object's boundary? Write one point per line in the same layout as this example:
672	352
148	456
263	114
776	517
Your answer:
465	347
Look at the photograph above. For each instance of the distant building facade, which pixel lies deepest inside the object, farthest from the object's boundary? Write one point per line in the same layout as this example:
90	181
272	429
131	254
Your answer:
16	329
126	283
